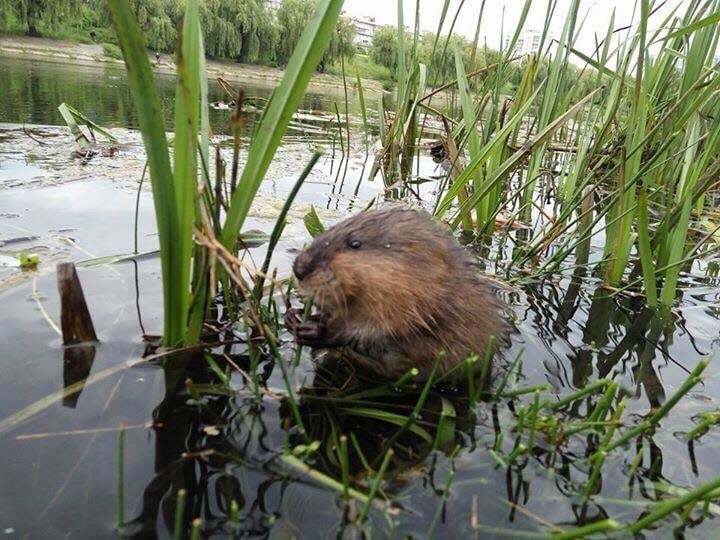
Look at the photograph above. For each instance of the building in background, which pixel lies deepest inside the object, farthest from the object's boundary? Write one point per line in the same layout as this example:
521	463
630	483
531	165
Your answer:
528	42
274	4
364	31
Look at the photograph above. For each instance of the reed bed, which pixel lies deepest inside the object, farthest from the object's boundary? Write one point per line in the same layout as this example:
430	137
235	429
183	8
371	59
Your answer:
627	165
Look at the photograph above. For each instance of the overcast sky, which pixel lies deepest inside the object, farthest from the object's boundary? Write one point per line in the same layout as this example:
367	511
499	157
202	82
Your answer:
598	16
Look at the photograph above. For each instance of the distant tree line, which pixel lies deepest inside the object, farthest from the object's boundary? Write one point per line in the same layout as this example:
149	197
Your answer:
247	31
384	52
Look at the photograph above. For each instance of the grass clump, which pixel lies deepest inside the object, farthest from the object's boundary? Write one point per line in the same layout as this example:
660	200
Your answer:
183	192
112	51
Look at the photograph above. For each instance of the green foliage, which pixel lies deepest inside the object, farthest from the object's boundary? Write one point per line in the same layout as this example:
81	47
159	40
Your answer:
293	17
383	50
441	64
237	28
156	23
629	142
366	68
112	51
40	16
312	223
248	31
183	205
10	18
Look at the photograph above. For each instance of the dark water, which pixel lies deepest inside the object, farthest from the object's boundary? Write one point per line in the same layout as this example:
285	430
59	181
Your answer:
60	464
33	90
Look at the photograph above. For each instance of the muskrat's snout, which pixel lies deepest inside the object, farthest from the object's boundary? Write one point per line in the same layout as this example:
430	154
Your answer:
303	265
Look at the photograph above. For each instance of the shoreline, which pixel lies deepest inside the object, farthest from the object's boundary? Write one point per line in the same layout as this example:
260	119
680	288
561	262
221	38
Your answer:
93	55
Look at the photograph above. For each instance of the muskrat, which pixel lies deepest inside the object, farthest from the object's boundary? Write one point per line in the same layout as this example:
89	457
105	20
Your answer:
393	290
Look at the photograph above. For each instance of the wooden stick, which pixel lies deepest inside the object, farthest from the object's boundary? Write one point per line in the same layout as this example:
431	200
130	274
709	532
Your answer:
75	320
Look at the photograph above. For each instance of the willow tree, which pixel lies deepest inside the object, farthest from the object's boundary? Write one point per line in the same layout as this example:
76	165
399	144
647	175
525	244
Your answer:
157	19
241	29
384	48
439	55
38	16
9	16
292	18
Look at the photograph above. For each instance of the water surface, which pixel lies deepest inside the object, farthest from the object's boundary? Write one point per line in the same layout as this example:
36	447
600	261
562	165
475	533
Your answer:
60	476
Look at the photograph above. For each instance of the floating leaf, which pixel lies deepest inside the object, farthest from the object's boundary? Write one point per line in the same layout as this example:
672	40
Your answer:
29	260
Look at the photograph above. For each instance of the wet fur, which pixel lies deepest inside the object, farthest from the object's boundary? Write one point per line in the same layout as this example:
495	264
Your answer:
406	294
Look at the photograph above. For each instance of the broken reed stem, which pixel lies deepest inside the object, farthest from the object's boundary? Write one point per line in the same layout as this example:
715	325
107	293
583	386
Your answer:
588	390
407	377
179	514
663	509
587	530
75	320
413	416
470	362
326	481
707	419
534	418
121	479
523	391
506	377
485	368
598	459
376	484
345	467
196	527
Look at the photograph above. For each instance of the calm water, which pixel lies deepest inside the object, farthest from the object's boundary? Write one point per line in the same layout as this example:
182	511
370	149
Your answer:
33	90
60	475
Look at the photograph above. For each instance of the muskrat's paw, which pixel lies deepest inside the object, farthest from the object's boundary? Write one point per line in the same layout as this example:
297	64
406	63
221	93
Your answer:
293	319
311	333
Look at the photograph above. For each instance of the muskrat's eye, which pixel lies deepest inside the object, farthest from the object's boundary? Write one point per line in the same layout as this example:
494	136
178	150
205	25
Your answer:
354	243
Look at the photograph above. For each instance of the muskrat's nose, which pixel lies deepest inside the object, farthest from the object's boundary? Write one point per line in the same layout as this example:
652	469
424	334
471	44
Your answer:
302	265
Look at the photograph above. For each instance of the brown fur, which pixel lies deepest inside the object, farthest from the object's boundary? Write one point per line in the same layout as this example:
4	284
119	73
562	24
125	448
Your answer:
408	293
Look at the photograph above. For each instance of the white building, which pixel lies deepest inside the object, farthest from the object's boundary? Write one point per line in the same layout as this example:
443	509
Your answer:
364	31
274	4
528	42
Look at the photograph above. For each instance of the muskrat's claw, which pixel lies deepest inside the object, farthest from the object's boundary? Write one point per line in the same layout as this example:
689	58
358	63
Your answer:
311	333
293	319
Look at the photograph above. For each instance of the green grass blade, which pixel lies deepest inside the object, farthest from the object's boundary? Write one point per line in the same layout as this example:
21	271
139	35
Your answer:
694	27
152	127
400	74
518	157
481	157
185	157
648	268
283	103
363	109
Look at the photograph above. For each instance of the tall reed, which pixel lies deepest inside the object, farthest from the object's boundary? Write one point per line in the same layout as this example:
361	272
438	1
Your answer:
182	197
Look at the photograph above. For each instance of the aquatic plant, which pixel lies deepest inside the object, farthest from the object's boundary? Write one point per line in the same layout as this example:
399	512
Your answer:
182	193
629	163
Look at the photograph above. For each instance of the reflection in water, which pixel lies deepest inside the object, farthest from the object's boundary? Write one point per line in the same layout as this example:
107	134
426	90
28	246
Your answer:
33	90
207	447
450	474
77	364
